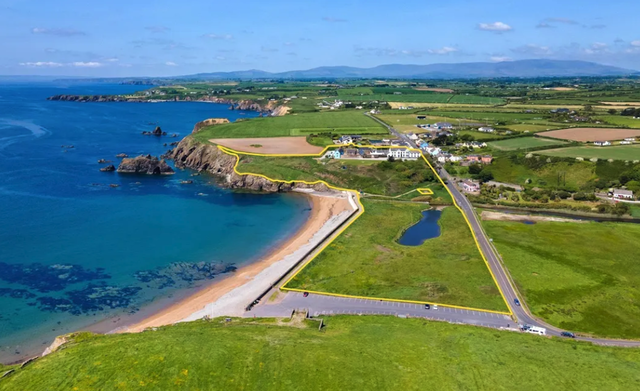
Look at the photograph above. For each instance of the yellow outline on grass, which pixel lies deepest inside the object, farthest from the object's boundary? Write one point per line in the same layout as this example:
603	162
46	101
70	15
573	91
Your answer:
237	154
426	191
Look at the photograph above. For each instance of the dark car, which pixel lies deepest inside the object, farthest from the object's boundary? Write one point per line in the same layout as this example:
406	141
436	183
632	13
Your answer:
427	307
517	302
305	294
568	334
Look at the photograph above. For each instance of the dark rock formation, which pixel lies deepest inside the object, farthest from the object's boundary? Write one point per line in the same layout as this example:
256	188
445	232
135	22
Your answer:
122	155
108	168
148	164
181	274
103	161
156	132
47	278
94	297
206	157
89	98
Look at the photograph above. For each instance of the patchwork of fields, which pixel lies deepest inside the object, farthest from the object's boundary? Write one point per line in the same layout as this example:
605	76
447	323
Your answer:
342	122
524	143
592	134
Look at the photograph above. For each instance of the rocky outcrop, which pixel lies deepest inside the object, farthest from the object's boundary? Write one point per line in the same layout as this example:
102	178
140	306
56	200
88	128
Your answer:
207	157
108	168
156	132
209	122
90	98
142	164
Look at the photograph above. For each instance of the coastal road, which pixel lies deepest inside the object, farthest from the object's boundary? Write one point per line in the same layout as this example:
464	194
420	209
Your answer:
318	305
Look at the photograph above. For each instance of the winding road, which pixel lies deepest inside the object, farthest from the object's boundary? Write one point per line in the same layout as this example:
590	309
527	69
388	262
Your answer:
317	304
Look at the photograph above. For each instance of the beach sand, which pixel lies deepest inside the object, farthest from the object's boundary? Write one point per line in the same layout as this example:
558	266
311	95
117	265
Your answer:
230	295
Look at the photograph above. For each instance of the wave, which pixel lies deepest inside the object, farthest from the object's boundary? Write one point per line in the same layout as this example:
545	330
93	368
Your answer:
36	130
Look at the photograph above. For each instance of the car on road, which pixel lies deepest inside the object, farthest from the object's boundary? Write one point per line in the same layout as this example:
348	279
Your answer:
568	334
517	302
427	307
305	294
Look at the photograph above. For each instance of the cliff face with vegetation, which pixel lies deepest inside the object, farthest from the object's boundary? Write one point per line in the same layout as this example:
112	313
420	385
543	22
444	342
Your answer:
209	158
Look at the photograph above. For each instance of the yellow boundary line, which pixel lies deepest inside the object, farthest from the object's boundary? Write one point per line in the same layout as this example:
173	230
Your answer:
237	154
425	191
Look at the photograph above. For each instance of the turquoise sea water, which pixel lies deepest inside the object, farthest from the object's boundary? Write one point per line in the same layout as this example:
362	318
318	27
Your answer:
75	250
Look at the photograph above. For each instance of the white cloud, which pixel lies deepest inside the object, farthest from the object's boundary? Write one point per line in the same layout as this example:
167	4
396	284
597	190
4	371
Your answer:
443	50
87	64
497	27
500	58
42	64
112	59
170	64
635	43
58	32
544	25
218	36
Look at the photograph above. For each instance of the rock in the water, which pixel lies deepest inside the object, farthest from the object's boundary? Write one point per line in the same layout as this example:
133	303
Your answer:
148	164
103	161
122	155
108	168
186	182
157	131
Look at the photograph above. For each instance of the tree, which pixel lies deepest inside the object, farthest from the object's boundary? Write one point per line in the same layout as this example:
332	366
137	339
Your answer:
485	176
474	169
613	111
588	108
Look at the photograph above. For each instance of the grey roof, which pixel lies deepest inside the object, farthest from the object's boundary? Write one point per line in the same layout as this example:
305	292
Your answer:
623	192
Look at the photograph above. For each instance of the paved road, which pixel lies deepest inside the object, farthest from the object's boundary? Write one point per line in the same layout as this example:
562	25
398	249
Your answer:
317	305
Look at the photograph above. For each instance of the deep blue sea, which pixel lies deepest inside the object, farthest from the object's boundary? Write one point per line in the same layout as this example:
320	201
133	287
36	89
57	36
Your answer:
75	250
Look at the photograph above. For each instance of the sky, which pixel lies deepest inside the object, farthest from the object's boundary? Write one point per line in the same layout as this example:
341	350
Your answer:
119	38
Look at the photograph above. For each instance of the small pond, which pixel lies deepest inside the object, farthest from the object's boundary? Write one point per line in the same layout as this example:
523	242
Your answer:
426	228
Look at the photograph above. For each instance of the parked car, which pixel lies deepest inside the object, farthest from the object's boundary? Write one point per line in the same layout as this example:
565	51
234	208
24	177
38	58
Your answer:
427	307
517	302
305	294
568	334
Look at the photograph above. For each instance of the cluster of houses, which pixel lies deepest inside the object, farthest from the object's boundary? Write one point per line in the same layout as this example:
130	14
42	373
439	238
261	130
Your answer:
436	126
353	139
372	153
626	141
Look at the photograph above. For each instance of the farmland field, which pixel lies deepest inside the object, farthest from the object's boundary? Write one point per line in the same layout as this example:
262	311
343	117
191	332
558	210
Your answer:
342	122
577	276
350	353
621	152
426	97
447	269
592	134
619	120
524	143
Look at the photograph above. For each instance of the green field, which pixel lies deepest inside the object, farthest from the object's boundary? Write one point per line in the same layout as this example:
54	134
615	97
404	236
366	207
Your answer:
578	276
425	97
341	122
374	177
524	143
621	152
621	121
366	260
575	174
350	353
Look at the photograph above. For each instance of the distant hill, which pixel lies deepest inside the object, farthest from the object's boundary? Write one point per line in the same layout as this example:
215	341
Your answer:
522	68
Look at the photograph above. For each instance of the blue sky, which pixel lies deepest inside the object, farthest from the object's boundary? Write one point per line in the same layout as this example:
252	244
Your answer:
157	38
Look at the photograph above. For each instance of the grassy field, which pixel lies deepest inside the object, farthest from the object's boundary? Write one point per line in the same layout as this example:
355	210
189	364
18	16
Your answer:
368	176
341	122
425	97
576	174
361	353
524	143
582	277
622	152
366	260
621	121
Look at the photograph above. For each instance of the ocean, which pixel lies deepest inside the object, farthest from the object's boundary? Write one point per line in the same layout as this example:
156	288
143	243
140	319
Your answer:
76	250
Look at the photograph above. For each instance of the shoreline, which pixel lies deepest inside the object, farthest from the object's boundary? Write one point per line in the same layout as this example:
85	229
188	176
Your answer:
231	294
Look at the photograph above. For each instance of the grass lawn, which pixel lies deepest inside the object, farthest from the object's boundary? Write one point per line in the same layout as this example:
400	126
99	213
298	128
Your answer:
366	260
524	143
621	121
359	353
581	277
635	211
622	152
362	175
341	122
532	128
479	136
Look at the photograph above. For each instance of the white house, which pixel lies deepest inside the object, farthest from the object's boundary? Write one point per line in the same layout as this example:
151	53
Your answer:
632	139
404	153
622	194
346	140
602	143
625	142
470	186
444	125
486	129
412	136
455	158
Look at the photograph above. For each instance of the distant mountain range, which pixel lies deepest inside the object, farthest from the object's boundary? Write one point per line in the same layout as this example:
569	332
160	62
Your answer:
522	68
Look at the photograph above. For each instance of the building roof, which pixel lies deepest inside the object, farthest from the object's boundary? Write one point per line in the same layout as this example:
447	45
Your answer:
623	192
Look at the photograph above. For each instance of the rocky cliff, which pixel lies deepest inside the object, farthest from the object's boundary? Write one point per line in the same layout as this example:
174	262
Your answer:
207	157
209	122
142	164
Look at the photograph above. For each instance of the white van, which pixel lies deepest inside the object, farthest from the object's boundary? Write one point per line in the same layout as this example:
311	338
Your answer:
534	330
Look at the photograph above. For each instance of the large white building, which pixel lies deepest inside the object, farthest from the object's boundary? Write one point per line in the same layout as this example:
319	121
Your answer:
403	153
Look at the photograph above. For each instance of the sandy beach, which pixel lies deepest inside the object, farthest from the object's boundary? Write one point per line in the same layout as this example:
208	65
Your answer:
230	295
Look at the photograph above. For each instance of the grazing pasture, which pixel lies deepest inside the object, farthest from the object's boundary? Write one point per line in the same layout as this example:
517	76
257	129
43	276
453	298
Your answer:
524	143
592	134
619	152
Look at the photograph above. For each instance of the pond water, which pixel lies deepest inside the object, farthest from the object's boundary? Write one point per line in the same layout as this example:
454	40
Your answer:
426	228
